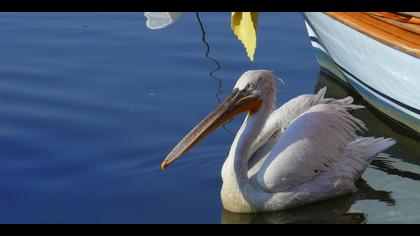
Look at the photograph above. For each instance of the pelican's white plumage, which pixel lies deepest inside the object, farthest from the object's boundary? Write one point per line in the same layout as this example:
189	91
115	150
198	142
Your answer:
305	151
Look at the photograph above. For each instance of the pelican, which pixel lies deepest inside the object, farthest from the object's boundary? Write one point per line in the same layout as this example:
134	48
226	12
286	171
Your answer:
307	150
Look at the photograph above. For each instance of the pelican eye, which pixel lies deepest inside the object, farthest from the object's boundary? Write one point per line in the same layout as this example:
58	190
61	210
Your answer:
251	85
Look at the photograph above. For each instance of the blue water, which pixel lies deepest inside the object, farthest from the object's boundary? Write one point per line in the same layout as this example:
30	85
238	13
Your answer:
91	103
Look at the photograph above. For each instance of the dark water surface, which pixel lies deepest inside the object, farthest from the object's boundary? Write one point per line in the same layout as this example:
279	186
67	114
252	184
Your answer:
91	103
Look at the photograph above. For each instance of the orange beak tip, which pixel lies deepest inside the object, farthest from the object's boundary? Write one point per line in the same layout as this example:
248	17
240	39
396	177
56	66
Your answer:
163	165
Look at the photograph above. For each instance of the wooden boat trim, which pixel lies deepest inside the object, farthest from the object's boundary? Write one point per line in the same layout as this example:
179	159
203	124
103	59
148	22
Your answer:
392	35
415	14
407	26
408	23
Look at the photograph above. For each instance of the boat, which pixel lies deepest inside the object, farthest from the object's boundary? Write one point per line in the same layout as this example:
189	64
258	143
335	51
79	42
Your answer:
375	53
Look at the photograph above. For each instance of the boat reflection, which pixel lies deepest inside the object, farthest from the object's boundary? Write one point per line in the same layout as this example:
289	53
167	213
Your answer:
336	211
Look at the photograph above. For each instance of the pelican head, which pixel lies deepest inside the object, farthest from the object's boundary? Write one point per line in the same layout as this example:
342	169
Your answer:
247	96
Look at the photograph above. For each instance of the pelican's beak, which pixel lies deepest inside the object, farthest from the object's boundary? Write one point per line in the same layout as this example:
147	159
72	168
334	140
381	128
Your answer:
238	102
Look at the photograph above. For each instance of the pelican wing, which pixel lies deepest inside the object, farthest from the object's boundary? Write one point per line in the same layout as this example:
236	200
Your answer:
338	179
312	143
280	119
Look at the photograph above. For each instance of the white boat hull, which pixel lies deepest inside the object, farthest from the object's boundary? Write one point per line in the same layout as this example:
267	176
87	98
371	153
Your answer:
387	78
